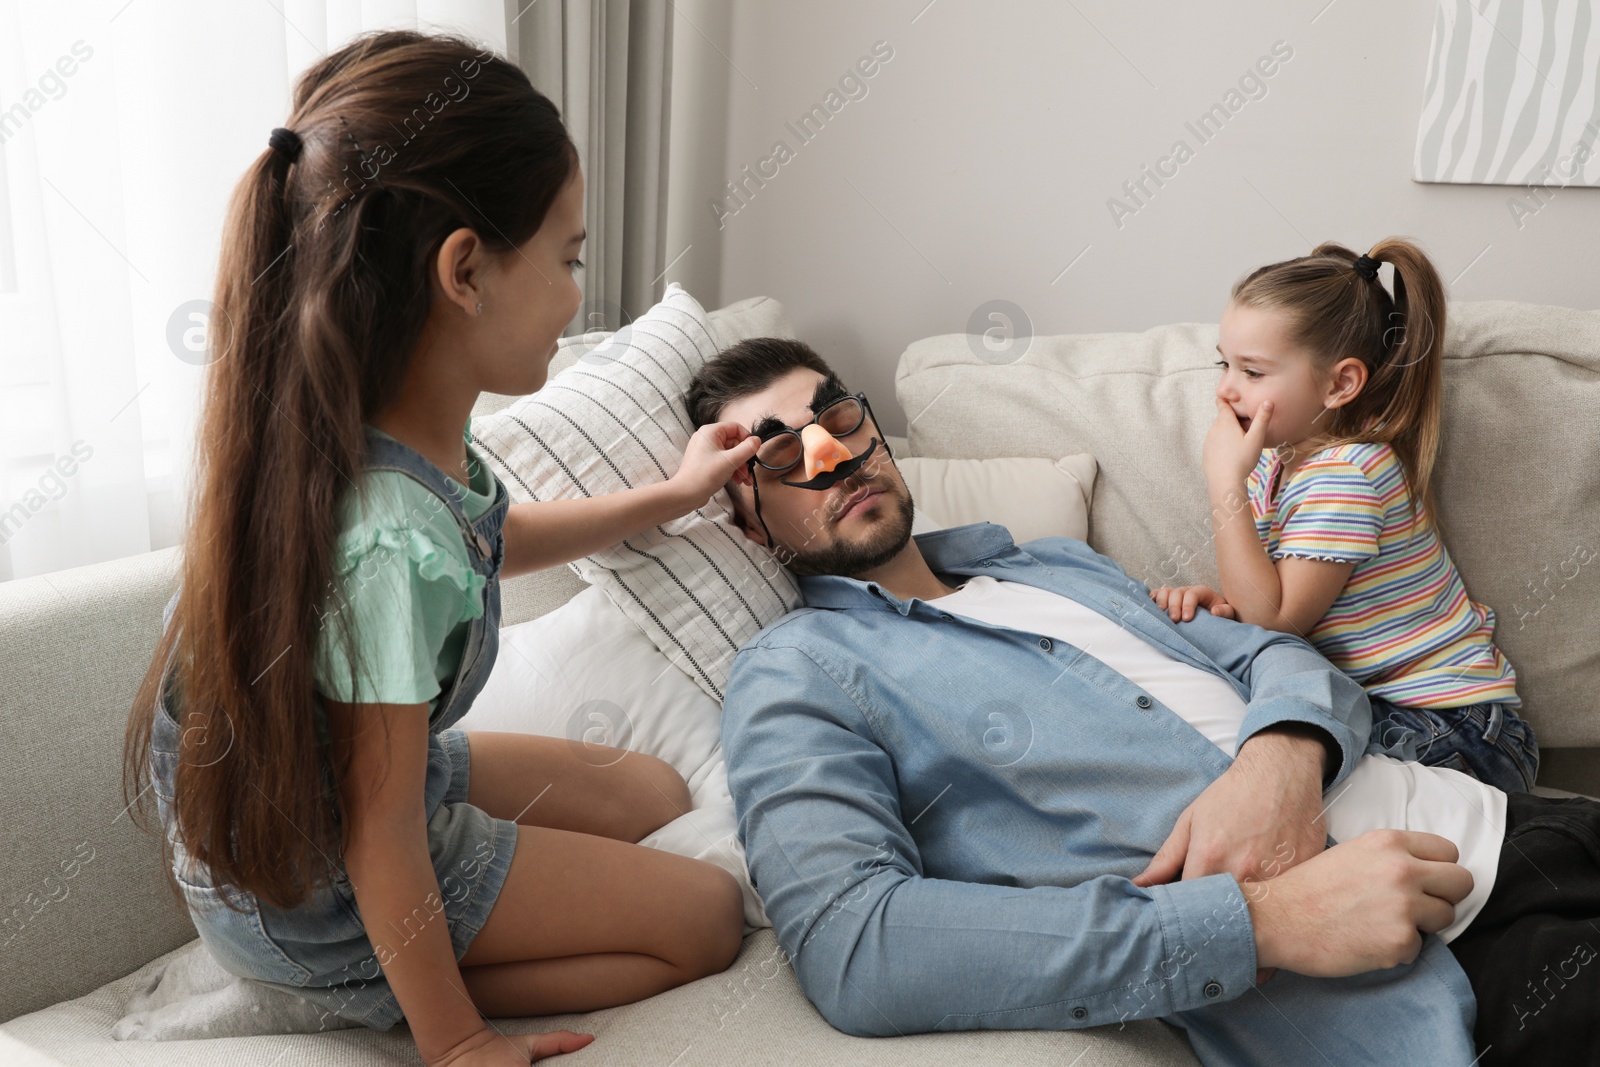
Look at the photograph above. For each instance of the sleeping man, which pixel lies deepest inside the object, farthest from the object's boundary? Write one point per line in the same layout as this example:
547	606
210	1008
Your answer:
990	786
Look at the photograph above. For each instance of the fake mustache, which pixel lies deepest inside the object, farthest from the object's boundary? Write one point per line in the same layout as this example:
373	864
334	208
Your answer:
827	479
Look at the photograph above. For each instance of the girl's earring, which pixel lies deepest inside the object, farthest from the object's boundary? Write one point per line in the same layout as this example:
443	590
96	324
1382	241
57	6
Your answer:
480	307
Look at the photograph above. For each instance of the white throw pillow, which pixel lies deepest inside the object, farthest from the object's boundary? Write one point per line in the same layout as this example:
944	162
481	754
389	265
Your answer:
615	419
1030	497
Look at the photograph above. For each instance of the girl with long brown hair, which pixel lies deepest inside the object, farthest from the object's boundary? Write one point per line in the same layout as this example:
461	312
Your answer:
1320	469
407	241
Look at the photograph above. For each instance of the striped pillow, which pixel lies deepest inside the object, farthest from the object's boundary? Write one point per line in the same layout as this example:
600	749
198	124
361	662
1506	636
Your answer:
616	419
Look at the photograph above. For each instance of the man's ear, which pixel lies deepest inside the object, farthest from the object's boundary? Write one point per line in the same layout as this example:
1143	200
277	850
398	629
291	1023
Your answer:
743	517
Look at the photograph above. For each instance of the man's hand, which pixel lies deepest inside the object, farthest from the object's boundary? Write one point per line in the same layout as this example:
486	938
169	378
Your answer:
1360	906
1261	817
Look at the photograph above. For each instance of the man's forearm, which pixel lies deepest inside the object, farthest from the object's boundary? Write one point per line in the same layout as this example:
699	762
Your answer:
1290	743
902	954
398	894
1291	683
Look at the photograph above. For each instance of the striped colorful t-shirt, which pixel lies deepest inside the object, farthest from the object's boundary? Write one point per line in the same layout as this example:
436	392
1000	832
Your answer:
1403	626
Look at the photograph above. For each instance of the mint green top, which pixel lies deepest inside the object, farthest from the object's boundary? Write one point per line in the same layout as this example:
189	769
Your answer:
407	583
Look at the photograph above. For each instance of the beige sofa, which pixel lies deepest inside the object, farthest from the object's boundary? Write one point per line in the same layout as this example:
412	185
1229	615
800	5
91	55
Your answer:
1520	494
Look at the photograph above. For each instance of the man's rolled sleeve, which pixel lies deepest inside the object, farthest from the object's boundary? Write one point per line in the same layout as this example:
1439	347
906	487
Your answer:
883	948
1288	679
1289	682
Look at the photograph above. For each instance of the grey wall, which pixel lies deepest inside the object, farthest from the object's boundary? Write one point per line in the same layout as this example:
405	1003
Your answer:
980	160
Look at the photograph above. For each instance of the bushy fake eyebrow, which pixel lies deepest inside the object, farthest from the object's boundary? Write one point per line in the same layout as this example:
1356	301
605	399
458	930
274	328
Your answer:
769	424
825	392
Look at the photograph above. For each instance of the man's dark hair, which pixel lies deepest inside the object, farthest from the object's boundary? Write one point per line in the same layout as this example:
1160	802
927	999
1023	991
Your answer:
749	367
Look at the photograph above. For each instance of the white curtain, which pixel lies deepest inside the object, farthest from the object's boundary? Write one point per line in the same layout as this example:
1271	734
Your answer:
124	126
607	65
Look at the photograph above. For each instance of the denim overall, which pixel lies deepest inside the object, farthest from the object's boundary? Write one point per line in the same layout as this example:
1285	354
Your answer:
321	948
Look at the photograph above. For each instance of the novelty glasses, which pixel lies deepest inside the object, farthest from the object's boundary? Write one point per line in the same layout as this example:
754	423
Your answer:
782	449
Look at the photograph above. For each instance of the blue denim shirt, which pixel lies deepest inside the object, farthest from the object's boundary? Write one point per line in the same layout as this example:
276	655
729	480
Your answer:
943	816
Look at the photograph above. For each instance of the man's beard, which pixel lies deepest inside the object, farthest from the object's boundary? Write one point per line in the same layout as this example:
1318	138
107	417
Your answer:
850	558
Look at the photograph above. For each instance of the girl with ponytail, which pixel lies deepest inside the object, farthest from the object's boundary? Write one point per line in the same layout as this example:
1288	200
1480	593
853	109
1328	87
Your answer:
1320	470
406	241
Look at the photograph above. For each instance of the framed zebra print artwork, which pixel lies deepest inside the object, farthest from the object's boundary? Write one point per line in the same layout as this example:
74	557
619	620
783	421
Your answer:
1512	94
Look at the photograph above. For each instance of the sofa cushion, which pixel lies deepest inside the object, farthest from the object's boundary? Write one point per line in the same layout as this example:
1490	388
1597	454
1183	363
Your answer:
754	1012
1030	497
1518	472
83	890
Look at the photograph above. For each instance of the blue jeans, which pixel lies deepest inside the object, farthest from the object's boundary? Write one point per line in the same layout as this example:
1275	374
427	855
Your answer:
1489	741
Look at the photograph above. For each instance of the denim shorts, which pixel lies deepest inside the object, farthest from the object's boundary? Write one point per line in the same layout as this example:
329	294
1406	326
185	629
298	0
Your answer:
320	949
1489	741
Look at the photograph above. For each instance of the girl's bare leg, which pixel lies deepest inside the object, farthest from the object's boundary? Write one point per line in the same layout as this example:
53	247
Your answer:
586	919
566	785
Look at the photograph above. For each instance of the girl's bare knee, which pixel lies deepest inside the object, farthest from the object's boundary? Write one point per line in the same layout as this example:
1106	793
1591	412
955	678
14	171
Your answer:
722	924
663	795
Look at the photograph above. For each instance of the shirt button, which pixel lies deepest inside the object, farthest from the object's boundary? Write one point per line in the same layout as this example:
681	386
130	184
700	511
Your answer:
1142	700
1044	643
1212	990
1080	1013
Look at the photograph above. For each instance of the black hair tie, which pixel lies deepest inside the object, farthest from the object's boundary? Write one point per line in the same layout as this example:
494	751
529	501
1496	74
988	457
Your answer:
1367	267
286	141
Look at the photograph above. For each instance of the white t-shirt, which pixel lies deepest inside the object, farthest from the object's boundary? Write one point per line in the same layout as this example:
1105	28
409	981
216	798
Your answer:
1380	793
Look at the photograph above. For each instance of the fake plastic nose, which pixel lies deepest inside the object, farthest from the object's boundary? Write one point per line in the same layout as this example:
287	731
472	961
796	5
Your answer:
822	450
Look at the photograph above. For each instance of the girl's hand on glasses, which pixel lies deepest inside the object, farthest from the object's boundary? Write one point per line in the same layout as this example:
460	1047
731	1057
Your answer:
715	452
